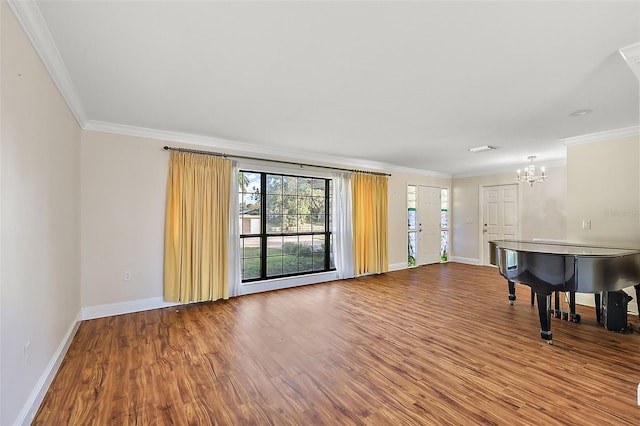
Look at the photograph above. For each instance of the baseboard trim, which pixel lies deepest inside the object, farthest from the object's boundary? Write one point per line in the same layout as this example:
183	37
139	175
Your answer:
467	260
397	266
587	299
111	309
285	282
30	407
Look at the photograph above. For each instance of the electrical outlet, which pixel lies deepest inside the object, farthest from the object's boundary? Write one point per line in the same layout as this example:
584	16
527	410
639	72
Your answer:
126	276
586	224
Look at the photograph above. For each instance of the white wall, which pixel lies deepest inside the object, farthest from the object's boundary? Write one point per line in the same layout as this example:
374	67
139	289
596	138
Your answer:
603	184
39	232
542	210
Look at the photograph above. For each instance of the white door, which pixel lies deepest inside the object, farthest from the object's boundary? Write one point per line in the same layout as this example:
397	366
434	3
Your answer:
428	225
500	215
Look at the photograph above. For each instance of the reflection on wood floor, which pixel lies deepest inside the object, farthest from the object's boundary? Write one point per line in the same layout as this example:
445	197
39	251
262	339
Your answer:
432	345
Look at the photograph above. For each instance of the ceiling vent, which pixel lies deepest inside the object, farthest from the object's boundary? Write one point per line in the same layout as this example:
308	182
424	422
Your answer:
482	148
631	54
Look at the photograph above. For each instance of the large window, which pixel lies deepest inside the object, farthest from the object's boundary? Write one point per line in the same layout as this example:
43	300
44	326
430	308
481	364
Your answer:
285	225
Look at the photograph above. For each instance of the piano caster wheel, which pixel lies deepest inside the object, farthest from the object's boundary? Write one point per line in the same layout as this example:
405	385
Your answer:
575	318
549	342
512	302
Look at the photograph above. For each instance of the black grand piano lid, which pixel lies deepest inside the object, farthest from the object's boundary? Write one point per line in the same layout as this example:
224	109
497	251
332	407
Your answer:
569	249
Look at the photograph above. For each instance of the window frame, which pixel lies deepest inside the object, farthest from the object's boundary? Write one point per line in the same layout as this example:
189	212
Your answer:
264	234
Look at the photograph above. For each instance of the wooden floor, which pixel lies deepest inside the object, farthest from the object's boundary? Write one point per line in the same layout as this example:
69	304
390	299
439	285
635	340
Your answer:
434	345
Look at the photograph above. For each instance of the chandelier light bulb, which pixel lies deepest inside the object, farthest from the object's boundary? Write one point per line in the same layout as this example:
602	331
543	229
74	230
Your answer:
529	175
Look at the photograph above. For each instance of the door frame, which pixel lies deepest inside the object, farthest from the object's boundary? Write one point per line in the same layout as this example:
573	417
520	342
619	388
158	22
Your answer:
481	189
449	213
418	211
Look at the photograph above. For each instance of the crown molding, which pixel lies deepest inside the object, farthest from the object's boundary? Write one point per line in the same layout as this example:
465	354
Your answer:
28	15
421	172
511	169
602	136
232	147
631	55
180	137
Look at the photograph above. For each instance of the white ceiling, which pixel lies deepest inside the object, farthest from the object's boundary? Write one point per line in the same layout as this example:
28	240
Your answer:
410	84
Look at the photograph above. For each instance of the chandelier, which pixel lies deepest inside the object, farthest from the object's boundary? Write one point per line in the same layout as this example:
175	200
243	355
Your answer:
529	174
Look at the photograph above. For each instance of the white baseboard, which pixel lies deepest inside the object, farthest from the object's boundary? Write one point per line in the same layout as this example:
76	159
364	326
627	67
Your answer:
111	309
42	386
285	282
30	407
37	395
587	299
467	260
397	266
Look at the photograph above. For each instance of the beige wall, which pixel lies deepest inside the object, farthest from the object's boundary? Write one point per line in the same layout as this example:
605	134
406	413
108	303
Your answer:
542	210
39	232
543	207
603	186
123	196
123	202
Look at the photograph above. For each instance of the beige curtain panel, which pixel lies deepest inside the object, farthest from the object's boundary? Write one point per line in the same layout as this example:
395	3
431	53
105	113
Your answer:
370	224
197	228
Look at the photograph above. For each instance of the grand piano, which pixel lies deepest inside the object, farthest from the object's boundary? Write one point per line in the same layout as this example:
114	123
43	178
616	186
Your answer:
551	267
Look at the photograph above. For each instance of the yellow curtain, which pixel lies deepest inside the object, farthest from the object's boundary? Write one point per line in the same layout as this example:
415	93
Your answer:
197	228
370	224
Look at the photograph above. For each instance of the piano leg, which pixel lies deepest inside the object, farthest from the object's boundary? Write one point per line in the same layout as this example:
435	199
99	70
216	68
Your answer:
637	287
597	300
557	312
572	302
512	292
544	311
573	317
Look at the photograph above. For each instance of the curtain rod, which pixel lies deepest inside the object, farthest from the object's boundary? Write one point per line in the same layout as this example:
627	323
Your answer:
222	154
